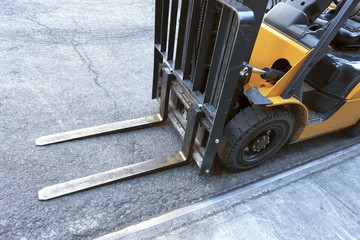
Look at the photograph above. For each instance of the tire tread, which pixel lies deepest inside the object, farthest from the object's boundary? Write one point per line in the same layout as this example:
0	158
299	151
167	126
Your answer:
246	121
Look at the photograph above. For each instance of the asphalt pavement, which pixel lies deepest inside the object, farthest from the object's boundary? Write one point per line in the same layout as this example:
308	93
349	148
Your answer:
71	64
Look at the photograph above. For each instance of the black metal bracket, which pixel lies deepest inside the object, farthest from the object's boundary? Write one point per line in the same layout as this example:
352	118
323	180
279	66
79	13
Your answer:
256	97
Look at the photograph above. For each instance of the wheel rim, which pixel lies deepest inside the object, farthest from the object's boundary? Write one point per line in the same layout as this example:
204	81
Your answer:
262	145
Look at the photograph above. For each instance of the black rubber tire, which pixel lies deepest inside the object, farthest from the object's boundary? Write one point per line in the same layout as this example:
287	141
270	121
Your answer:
248	126
353	131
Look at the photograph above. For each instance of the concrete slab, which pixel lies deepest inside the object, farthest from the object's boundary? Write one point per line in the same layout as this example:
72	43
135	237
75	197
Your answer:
294	206
342	182
302	210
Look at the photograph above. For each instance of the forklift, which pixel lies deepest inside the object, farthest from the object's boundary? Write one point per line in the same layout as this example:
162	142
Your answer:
238	80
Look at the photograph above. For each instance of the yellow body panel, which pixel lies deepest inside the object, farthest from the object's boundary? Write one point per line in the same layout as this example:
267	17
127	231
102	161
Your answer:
279	101
344	117
270	90
272	45
355	93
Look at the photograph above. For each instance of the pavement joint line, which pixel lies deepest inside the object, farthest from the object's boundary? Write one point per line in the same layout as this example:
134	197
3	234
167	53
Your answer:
255	189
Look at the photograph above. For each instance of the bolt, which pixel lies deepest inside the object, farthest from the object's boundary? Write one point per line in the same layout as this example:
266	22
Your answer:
217	141
244	71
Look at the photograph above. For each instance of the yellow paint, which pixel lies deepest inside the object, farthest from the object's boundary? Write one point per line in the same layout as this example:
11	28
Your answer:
270	90
270	46
170	160
154	118
279	101
346	116
332	6
355	93
280	85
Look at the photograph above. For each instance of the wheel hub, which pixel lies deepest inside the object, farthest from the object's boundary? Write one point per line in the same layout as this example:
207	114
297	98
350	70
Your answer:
261	142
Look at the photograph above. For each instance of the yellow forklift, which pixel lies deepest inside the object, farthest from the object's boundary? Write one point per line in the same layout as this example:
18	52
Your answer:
238	80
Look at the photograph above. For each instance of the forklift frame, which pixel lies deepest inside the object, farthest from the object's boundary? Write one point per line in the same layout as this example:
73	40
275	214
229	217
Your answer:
197	81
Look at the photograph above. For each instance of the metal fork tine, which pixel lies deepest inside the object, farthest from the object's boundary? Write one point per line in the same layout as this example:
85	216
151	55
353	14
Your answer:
100	130
91	181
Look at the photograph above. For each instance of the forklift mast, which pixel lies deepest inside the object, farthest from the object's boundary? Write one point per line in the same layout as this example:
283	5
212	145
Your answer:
212	47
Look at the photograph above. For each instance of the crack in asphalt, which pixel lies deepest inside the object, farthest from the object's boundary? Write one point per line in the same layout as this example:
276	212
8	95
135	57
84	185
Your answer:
48	29
87	61
82	55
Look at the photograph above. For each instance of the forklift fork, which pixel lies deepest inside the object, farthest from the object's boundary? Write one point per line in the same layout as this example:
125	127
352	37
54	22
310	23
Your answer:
131	170
201	88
